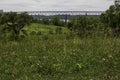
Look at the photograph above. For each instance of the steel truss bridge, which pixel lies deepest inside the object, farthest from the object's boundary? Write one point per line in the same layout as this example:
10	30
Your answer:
61	14
48	13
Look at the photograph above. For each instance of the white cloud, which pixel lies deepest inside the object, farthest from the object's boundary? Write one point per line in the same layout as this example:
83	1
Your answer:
23	5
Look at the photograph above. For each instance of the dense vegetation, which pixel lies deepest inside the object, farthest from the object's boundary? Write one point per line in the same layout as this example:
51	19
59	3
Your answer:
12	23
87	48
108	23
55	21
111	18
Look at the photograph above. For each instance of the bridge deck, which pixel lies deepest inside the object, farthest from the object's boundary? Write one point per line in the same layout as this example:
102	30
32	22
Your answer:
64	12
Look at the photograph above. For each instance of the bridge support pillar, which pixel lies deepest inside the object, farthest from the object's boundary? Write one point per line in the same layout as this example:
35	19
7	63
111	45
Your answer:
66	19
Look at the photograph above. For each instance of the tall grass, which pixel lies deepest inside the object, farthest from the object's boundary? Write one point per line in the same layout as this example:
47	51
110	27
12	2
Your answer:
57	57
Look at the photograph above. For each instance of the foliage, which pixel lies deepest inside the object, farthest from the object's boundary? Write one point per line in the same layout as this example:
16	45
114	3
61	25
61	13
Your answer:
39	33
58	30
112	18
57	22
44	29
45	21
14	23
33	33
83	24
62	56
53	57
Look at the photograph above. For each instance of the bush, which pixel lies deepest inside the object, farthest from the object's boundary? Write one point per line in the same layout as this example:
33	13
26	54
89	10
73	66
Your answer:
51	32
56	21
22	37
14	23
33	33
83	25
39	33
46	21
111	18
44	37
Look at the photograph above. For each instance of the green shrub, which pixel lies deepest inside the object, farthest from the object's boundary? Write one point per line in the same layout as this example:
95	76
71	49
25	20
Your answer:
111	18
51	32
33	33
39	33
14	23
83	25
46	21
56	21
44	37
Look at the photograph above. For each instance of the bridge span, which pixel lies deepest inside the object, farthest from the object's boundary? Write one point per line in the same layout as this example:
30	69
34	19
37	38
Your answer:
48	13
65	15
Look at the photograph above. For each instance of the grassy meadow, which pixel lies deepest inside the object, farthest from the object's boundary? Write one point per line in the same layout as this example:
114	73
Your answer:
46	55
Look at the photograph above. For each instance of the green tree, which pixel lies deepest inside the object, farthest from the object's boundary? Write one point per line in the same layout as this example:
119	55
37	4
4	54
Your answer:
14	23
56	21
71	23
111	18
45	21
83	24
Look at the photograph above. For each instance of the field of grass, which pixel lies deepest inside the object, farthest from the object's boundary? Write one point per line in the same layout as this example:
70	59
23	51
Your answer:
59	57
45	29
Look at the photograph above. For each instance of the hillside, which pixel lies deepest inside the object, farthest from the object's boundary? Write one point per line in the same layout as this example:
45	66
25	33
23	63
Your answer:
59	56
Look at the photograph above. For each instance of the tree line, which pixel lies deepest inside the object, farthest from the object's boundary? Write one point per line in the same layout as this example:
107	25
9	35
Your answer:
108	22
12	24
55	21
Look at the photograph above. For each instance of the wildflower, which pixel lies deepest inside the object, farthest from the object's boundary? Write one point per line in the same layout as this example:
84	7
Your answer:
103	59
79	65
110	56
25	50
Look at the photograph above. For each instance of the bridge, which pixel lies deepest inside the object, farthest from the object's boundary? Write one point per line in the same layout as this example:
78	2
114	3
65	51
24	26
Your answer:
1	11
65	15
48	13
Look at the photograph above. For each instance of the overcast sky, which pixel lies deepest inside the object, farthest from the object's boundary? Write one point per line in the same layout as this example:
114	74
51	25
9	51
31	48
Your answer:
33	5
